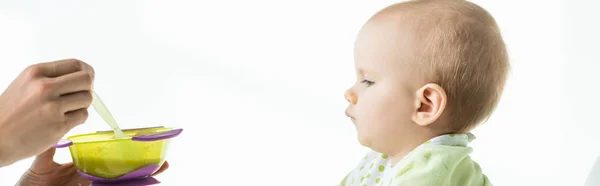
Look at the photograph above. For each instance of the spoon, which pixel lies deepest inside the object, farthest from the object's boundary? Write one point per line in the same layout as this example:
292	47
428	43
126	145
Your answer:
106	116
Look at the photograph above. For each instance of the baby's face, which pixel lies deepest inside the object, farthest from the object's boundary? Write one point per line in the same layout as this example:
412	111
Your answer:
382	99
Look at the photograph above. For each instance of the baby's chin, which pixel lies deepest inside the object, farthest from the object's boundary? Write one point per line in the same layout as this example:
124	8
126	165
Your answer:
364	140
369	142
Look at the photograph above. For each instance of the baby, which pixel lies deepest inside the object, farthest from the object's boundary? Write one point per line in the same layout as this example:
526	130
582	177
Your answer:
428	72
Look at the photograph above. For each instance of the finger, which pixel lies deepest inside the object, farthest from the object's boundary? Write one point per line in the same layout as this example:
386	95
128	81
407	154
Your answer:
74	82
67	175
63	67
46	155
70	164
76	117
44	161
162	168
75	101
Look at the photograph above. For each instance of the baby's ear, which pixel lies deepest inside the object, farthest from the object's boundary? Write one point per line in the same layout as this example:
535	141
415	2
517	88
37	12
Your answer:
430	103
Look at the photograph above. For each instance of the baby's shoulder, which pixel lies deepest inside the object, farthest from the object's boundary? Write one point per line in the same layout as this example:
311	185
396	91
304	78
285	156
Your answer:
439	165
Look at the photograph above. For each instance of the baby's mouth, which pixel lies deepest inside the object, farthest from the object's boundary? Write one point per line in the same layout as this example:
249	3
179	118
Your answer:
350	116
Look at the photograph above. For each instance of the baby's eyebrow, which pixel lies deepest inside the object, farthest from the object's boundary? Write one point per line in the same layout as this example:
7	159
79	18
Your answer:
362	72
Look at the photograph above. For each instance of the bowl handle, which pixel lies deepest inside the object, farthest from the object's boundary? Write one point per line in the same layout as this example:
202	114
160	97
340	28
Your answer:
63	143
158	136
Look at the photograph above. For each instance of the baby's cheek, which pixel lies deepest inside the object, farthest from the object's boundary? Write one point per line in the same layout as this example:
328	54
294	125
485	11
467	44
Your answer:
385	110
392	116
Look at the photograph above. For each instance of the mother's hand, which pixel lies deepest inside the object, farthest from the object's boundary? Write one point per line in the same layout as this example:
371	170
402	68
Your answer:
41	105
46	172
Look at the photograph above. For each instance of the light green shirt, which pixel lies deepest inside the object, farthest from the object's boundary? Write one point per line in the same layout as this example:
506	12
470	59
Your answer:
441	161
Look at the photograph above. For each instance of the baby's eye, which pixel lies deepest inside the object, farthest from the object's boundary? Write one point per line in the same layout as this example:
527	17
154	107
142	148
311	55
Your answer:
369	83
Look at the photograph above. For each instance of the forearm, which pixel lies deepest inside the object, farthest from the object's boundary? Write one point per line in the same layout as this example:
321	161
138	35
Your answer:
7	156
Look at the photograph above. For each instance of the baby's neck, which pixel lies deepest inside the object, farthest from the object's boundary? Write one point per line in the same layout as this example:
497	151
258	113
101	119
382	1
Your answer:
395	158
409	145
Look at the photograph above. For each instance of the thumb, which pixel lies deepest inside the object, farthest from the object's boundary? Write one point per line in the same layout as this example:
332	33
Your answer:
44	161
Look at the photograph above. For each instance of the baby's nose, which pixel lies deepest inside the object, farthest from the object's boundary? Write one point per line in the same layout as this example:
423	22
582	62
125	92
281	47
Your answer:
350	96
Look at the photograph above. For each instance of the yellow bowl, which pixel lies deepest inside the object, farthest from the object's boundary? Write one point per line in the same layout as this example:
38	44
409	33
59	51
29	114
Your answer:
101	156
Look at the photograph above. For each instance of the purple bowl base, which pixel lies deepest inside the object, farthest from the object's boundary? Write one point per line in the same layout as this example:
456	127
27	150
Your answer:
138	182
136	178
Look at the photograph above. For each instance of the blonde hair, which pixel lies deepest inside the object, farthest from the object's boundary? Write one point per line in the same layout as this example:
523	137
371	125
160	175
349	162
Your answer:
460	45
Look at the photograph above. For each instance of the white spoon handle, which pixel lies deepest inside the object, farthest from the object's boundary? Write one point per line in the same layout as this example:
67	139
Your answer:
106	116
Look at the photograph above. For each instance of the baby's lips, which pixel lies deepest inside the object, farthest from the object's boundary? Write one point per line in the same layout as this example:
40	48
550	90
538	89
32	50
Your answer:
348	114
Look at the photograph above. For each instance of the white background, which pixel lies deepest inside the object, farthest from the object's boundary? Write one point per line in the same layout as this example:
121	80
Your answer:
258	85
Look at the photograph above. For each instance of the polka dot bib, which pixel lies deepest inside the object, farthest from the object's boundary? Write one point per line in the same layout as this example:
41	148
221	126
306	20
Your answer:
375	168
